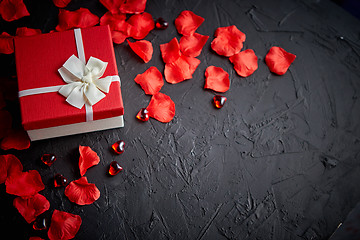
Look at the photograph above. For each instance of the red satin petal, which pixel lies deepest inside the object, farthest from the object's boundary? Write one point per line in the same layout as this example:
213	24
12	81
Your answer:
228	41
133	6
187	22
170	51
151	81
5	123
63	225
161	107
141	25
278	60
11	10
24	184
112	5
192	45
143	49
80	18
24	31
245	62
81	192
180	70
6	43
115	21
15	139
61	3
31	207
88	158
118	37
217	79
9	165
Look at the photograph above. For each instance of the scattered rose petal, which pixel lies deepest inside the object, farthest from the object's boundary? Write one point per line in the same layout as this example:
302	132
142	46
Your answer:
9	165
11	10
112	5
170	51
61	3
143	49
80	18
31	207
161	107
217	79
24	184
180	70
6	43
5	123
118	26
88	158
35	238
141	25
25	32
192	45
245	62
63	225
133	6
151	81
228	41
187	22
82	192
15	139
278	60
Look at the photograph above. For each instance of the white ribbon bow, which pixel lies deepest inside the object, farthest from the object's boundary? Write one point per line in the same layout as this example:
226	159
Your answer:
84	82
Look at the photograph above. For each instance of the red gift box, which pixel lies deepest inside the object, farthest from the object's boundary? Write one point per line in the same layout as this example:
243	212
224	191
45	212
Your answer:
46	113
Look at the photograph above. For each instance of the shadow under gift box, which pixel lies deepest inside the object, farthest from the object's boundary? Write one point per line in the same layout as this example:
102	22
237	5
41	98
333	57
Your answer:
48	115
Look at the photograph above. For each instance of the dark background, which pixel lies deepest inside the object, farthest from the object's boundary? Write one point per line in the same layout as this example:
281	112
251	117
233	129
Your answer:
279	161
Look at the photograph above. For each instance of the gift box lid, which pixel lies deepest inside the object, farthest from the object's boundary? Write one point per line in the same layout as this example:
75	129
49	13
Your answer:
38	59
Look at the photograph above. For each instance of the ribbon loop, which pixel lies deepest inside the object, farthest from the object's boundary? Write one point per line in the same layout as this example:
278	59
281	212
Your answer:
84	82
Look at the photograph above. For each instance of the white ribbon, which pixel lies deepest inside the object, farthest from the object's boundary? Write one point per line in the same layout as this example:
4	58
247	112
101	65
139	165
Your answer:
84	83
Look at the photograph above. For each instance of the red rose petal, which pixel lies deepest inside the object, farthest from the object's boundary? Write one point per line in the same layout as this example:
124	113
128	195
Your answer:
180	70
24	31
9	165
115	21
133	6
170	51
61	3
217	79
63	225
278	60
141	25
6	43
161	107
11	10
151	81
187	22
245	62
88	158
82	192
143	49
5	123
112	5
24	184
31	207
80	18
192	45
15	139
118	37
228	41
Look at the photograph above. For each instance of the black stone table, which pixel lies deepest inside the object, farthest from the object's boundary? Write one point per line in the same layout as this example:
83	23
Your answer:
279	161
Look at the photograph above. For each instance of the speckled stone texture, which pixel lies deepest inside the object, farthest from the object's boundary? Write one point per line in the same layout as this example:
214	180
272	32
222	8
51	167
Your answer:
279	161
